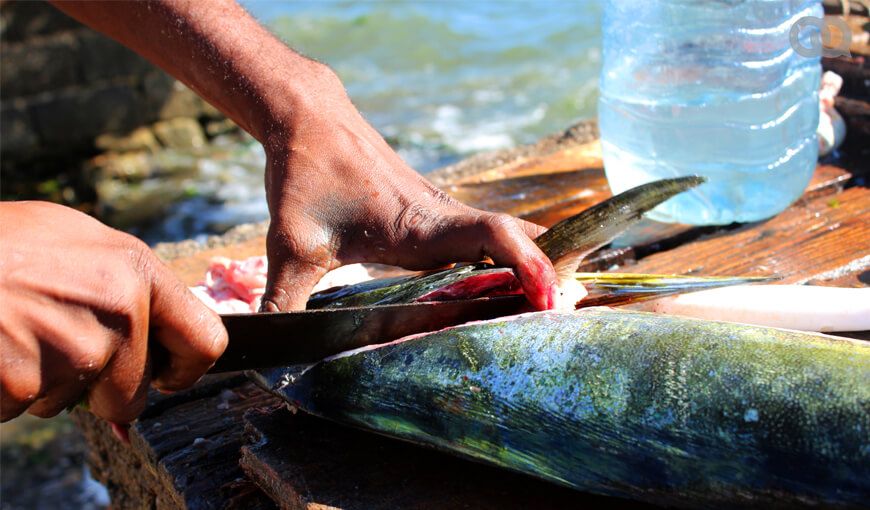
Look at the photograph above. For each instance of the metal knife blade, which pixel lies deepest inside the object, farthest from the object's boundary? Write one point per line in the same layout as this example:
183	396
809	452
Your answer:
276	339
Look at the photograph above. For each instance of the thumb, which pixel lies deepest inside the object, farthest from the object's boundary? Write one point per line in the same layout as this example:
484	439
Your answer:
289	279
289	285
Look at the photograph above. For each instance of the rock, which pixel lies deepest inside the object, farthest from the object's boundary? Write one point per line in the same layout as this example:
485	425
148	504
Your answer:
38	66
215	128
210	112
75	117
22	20
129	166
177	163
181	133
68	90
140	139
101	58
170	99
123	205
19	135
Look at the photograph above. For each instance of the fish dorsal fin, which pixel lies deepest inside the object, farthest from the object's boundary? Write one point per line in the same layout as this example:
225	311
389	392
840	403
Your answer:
568	242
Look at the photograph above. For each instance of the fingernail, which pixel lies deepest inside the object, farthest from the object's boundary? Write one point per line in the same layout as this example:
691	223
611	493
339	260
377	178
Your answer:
121	431
268	306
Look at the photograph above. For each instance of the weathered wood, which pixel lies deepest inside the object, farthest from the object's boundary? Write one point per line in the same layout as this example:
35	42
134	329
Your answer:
191	269
305	463
825	236
183	451
650	236
543	198
466	170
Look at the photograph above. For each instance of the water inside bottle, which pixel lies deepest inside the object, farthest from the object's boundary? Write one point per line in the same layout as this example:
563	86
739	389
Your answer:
735	104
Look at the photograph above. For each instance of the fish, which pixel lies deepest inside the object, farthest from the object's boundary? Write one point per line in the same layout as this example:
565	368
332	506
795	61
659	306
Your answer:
663	409
565	244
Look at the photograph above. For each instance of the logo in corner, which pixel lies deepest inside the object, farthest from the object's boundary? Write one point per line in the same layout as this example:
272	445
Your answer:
821	37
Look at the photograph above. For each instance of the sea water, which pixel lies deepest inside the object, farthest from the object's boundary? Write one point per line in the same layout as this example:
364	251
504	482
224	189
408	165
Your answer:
715	88
439	80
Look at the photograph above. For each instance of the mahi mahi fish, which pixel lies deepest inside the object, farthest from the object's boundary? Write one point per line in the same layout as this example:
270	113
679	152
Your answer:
657	408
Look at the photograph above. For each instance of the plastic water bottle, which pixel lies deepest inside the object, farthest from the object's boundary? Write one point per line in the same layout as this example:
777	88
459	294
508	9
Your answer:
714	88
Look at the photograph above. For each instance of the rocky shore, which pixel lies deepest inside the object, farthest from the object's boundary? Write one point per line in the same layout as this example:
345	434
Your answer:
88	123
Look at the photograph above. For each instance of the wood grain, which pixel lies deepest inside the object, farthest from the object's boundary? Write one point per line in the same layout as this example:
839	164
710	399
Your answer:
191	270
827	235
184	450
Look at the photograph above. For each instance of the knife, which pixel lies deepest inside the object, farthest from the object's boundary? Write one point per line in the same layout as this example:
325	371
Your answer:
278	339
275	339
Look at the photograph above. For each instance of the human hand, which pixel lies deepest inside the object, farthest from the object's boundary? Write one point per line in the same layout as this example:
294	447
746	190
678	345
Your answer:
86	309
338	194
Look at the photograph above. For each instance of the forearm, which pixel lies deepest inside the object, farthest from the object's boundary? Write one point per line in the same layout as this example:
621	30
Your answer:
337	192
217	49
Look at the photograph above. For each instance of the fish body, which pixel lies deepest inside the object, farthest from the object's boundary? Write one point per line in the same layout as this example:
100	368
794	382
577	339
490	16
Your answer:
658	408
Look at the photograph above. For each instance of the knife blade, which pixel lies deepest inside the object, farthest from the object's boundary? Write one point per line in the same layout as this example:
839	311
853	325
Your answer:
274	339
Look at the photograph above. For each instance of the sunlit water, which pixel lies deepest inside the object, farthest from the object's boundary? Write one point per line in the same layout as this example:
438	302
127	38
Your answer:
440	80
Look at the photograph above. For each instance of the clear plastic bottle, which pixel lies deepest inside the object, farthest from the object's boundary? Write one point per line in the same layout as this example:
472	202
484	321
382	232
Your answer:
710	87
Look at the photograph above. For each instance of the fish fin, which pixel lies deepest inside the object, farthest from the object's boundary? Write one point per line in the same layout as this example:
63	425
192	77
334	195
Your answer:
572	239
614	289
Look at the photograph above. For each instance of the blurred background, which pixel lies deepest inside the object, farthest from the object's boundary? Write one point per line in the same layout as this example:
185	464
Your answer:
87	123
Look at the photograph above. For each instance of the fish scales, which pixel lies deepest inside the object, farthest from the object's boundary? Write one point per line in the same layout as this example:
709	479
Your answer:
659	408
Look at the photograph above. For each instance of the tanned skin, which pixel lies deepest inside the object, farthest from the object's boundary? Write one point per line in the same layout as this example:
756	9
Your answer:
79	298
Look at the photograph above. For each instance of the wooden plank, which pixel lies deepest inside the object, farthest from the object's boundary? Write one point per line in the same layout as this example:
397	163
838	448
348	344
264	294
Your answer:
184	450
812	239
856	274
544	198
306	463
568	159
650	236
191	269
467	170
